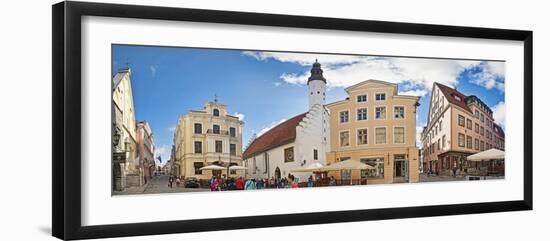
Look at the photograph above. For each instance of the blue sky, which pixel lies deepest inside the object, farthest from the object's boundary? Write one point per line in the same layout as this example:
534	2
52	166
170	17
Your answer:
265	88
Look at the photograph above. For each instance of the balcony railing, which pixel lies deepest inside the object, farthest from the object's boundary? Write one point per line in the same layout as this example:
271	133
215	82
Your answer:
217	132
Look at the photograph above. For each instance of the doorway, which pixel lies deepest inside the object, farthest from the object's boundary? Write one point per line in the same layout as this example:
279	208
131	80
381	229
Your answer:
277	173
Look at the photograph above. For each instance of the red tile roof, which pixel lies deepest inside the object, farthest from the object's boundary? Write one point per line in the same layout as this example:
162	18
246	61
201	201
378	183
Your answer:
279	135
451	95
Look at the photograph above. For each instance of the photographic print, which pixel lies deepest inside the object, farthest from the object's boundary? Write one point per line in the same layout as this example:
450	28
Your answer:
210	120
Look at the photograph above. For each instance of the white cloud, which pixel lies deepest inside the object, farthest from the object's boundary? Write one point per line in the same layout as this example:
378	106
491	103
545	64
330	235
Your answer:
164	152
172	129
499	113
239	115
153	70
271	125
417	92
345	70
418	135
491	75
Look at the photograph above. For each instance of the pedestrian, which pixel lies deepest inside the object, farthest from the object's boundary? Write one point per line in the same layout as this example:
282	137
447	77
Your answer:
178	180
293	183
332	181
170	180
310	182
259	184
214	185
249	185
239	184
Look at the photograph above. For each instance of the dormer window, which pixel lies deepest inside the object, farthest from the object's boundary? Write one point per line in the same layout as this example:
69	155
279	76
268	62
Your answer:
216	112
457	98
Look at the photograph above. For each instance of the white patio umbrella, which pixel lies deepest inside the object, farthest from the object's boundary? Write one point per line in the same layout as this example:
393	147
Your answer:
237	168
347	165
313	167
491	154
213	167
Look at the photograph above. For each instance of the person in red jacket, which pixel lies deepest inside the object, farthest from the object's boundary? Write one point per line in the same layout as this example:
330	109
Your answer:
239	183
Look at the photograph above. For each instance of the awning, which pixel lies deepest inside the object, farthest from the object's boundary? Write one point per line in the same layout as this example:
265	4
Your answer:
491	154
237	168
347	165
313	167
213	167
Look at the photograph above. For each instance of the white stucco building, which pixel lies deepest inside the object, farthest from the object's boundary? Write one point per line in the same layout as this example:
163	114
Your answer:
297	142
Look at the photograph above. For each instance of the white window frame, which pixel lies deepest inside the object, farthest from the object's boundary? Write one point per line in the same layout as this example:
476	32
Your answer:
340	120
386	142
357	113
404	134
385	118
404	112
366	98
357	136
385	96
340	139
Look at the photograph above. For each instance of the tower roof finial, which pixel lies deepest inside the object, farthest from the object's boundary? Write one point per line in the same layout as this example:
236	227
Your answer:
316	72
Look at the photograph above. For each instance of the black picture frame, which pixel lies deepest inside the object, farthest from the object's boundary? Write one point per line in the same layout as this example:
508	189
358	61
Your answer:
66	127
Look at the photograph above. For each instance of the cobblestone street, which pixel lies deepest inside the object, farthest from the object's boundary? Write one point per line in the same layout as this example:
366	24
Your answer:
434	178
158	184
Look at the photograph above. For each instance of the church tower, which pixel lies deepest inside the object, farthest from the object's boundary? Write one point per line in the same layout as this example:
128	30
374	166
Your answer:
316	86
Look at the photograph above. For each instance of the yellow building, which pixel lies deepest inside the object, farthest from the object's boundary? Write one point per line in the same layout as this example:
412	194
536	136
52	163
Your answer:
377	126
208	137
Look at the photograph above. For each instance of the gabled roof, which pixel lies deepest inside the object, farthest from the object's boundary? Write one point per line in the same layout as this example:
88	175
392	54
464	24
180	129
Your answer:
453	96
120	75
279	135
499	130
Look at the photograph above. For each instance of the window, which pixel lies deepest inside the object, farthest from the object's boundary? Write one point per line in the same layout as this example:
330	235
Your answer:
477	114
461	140
362	114
380	96
216	112
289	154
440	125
198	166
482	131
399	134
444	140
216	129
315	154
488	134
233	149
477	128
266	160
482	118
198	147
198	128
344	138
399	112
344	116
469	142
461	120
381	112
362	137
380	133
482	146
476	144
232	132
219	146
377	163
361	98
469	124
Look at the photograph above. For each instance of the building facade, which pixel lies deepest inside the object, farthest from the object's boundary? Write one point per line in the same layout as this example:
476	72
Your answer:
457	126
206	137
146	151
297	142
125	166
377	126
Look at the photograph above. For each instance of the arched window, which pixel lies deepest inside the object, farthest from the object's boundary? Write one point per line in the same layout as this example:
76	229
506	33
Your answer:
216	112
